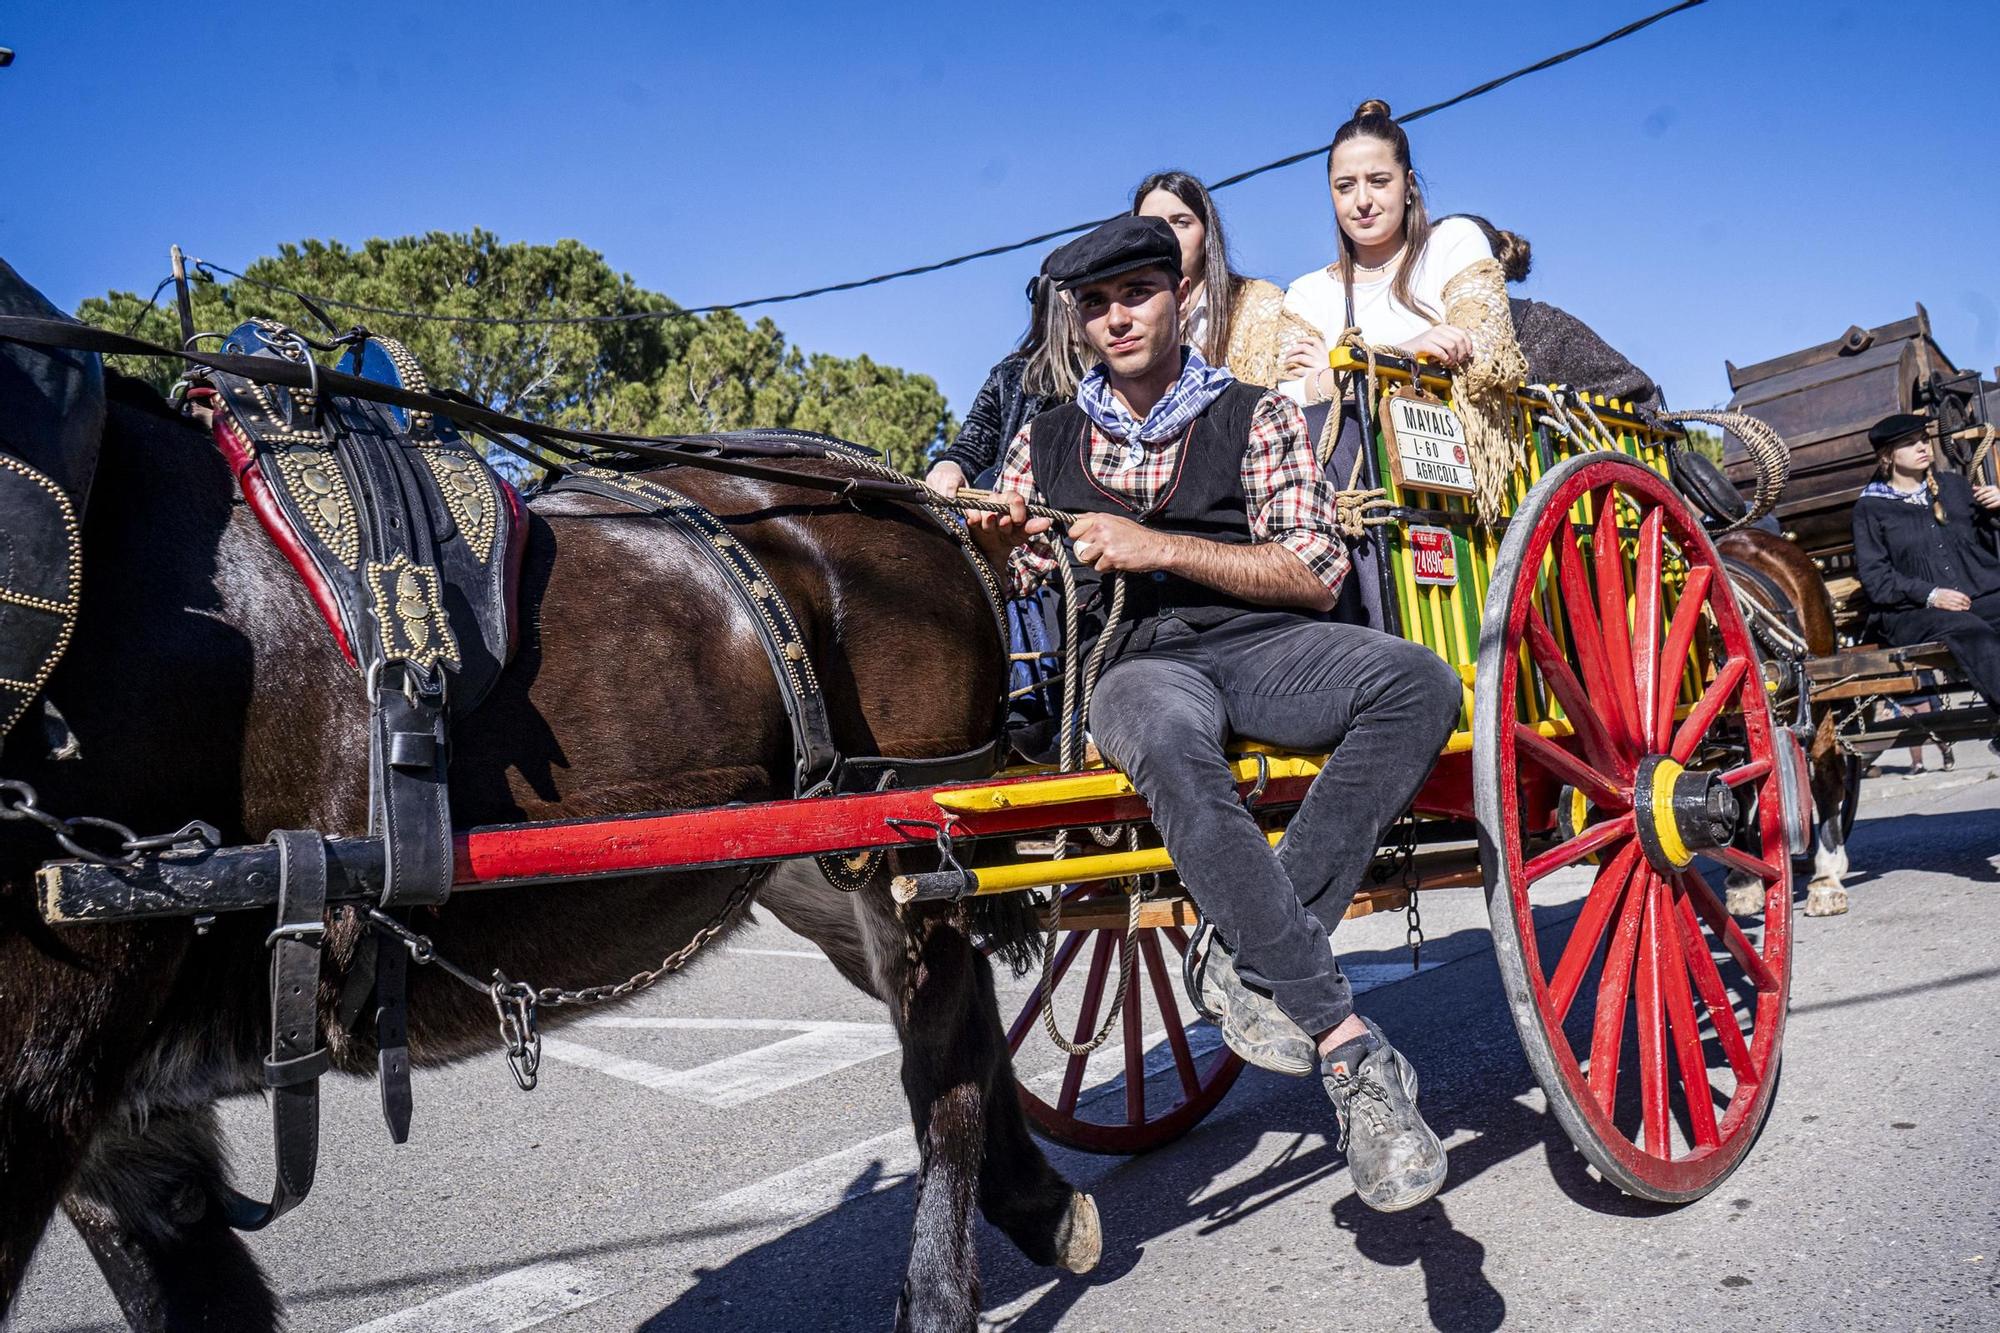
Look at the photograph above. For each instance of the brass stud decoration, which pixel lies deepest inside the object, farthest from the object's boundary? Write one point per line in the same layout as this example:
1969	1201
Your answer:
318	489
409	612
470	495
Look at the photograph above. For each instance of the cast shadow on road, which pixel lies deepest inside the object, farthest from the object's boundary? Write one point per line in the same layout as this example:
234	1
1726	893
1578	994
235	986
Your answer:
1449	1020
1958	842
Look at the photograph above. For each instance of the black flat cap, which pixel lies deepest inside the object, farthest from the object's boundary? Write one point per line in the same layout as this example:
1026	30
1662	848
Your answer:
1117	246
1898	429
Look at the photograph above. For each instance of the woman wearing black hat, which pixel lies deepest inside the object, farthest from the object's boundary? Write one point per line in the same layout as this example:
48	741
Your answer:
1925	551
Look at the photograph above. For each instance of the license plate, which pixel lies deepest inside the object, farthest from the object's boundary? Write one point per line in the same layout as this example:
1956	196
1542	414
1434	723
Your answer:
1433	557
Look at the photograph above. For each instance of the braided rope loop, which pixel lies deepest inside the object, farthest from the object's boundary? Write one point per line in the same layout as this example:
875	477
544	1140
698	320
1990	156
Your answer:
1767	450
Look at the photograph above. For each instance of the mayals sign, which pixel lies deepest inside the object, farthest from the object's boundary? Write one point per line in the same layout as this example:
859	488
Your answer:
1429	452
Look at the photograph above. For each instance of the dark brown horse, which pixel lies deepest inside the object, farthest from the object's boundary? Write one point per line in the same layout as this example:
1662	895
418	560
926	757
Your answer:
1784	581
203	684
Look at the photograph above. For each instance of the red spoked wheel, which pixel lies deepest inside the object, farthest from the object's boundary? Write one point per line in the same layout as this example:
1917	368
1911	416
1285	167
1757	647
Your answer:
1159	1071
1616	668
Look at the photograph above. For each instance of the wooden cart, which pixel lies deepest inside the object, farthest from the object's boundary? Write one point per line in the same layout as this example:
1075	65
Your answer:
1615	734
1823	399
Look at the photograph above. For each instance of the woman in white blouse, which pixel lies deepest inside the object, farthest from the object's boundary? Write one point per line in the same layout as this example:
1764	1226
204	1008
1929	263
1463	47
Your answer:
1398	276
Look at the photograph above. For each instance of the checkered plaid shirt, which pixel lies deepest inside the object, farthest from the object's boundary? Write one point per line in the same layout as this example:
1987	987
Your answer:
1287	497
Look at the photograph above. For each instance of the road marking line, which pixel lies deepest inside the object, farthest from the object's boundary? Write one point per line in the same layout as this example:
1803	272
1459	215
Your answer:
505	1304
728	1024
733	1080
823	1184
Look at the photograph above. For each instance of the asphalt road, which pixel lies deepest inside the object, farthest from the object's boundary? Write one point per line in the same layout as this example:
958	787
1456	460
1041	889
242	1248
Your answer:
733	1153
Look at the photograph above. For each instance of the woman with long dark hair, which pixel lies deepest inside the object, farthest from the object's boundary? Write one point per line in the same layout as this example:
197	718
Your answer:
1434	291
1231	320
1042	371
1399	277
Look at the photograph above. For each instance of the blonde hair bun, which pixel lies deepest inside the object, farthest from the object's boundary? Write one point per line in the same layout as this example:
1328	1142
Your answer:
1372	109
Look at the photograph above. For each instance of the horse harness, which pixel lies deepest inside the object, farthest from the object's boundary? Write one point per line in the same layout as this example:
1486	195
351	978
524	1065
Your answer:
819	768
410	545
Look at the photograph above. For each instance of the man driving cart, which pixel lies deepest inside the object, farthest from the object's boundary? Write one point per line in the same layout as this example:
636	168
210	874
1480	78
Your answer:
1204	493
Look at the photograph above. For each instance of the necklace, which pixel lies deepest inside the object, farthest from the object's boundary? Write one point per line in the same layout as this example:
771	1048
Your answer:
1384	265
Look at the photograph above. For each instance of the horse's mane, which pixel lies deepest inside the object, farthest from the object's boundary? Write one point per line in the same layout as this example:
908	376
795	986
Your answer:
131	391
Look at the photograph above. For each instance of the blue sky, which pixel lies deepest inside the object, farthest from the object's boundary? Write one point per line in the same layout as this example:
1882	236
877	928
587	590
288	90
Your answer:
1741	180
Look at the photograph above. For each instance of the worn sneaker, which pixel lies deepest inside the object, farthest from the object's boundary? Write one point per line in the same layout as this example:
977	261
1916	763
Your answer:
1252	1025
1395	1159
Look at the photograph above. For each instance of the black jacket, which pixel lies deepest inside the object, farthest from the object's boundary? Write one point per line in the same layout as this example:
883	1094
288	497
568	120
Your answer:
995	418
1901	551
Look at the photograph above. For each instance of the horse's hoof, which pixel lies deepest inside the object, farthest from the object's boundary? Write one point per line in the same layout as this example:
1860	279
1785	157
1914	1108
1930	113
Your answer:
1826	902
1080	1239
1746	899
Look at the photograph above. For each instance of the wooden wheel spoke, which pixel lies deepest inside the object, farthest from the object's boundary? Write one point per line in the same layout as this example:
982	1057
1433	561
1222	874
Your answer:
1595	838
1647	595
1135	1046
1607	557
1086	1020
1170	1013
1568	690
1680	639
1608	1029
1697	1090
1031	1013
1723	926
1587	637
1606	896
1707	708
1602	790
1714	995
1738	859
1749	772
1652	1020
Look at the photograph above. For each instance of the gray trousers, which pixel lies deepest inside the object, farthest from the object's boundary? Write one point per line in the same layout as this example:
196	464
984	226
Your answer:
1381	705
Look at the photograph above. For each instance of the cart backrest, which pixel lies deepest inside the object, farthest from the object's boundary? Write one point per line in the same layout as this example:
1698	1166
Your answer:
1437	559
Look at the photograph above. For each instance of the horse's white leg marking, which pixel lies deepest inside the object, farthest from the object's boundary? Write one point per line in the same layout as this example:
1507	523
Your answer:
1825	896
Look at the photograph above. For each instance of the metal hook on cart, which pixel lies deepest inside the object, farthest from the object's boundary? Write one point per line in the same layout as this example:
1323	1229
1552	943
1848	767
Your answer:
965	882
941	833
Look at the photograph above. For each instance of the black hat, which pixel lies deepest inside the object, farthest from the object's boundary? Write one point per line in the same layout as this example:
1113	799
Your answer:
1898	429
1117	246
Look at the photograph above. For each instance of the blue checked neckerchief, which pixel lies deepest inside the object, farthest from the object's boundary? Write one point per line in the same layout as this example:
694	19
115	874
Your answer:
1199	385
1883	490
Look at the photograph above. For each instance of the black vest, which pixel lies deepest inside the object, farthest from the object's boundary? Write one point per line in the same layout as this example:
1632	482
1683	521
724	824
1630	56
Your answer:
1204	499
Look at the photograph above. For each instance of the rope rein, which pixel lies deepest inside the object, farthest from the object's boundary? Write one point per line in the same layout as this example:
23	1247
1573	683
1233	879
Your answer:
1358	508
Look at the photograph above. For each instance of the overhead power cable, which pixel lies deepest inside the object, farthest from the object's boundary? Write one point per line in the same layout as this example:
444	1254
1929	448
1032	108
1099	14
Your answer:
1548	62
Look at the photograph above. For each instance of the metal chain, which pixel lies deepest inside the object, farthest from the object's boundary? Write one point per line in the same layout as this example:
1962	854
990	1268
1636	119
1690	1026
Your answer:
20	803
1406	853
515	1003
1401	866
